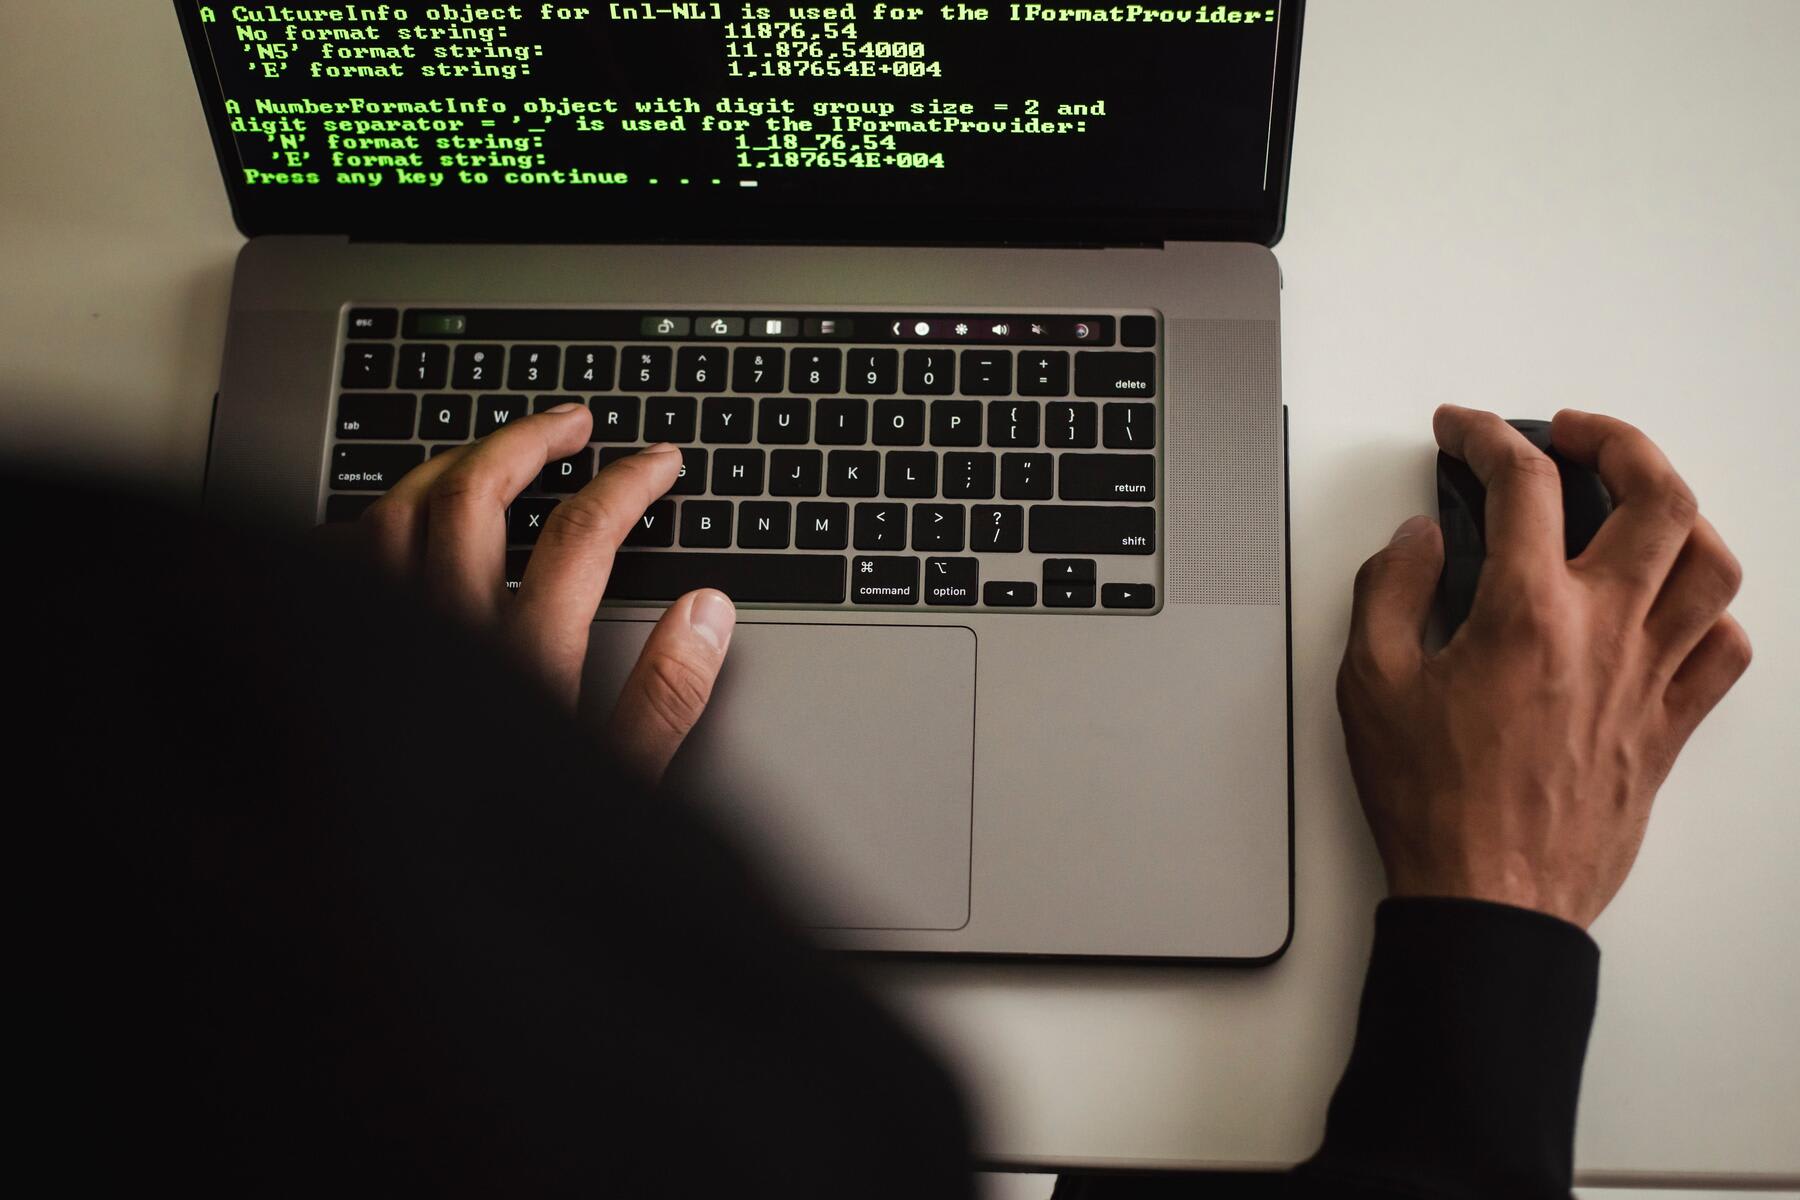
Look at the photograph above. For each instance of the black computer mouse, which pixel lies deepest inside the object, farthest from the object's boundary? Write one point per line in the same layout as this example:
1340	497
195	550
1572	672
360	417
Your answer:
1462	509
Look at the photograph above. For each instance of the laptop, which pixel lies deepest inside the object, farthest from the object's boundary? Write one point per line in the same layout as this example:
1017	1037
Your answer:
966	321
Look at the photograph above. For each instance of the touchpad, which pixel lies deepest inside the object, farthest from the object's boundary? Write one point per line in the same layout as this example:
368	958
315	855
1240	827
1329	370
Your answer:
843	755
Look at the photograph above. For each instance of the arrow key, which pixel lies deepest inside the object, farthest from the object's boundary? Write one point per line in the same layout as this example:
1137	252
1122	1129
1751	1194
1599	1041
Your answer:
1128	595
1002	593
1069	595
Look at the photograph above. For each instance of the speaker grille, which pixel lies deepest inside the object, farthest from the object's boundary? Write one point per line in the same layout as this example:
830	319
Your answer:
1223	462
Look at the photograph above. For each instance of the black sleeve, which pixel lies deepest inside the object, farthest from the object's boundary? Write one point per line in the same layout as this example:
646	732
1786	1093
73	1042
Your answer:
318	898
1464	1075
1467	1065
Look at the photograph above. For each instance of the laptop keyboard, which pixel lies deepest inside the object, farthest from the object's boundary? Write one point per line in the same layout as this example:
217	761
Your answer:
843	460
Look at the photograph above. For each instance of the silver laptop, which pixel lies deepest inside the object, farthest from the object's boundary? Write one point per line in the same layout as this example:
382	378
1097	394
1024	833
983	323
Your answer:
966	319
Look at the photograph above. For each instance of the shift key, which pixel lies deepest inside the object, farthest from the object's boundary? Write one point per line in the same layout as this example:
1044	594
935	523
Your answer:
1091	529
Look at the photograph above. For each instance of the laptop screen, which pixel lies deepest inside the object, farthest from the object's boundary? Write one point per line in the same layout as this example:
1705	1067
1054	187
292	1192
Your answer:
854	122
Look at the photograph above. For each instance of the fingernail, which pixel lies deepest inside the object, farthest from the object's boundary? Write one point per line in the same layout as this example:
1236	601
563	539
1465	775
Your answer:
566	408
1411	527
713	617
661	448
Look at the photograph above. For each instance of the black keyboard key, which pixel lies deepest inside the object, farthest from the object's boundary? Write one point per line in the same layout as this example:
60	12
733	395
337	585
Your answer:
1128	426
1107	477
822	526
929	373
374	322
872	372
615	419
516	562
726	419
380	417
956	423
1013	423
566	475
884	580
815	371
937	527
783	422
1128	595
758	369
526	518
997	528
478	368
796	472
690	480
842	423
899	423
669	418
951	581
1072	424
1009	593
986	372
546	403
852	473
969	476
531	368
1043	373
737	473
1026	476
646	368
1115	373
706	523
1085	529
1068	595
368	366
701	368
1137	331
746	578
372	468
589	369
1068	570
424	367
763	524
493	413
911	475
445	419
655	528
339	509
881	527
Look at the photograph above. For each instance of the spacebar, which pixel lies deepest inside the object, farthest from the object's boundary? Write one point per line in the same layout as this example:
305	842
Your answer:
747	578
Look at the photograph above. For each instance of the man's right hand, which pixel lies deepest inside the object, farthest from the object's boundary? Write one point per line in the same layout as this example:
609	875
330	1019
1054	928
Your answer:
1518	763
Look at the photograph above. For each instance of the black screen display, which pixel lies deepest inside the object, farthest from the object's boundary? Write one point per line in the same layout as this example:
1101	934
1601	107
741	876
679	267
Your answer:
849	122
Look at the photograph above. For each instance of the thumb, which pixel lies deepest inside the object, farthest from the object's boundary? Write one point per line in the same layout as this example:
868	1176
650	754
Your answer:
1393	600
668	688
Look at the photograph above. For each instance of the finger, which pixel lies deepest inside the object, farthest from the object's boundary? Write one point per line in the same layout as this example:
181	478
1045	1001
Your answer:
1700	586
669	687
1393	600
1523	518
574	555
1716	663
1653	509
465	520
395	524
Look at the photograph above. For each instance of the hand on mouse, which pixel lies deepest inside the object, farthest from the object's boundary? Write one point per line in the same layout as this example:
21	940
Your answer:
444	524
1518	763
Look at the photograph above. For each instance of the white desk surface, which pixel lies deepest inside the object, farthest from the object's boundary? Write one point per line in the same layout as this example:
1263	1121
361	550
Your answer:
1520	206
